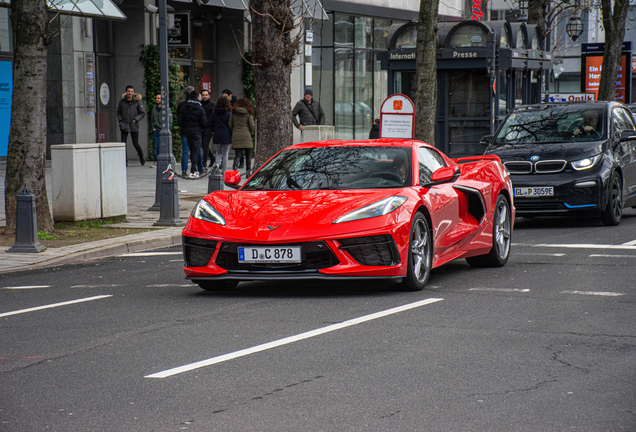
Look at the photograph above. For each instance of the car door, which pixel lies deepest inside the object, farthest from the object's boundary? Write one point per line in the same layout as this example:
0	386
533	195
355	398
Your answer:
626	151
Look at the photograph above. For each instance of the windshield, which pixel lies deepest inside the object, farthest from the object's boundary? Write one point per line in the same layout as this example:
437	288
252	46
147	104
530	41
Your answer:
351	167
553	124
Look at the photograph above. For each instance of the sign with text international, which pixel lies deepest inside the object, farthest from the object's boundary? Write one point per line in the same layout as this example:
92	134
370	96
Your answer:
6	92
397	117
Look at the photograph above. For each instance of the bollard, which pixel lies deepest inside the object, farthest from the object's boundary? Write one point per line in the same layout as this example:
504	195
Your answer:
215	181
26	224
169	212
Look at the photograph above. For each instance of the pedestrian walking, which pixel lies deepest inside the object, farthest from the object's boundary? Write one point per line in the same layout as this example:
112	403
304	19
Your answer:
242	126
185	149
222	135
375	129
130	112
208	106
308	110
192	121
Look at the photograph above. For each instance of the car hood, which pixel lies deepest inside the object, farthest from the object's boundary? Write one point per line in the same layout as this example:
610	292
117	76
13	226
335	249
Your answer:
569	151
272	215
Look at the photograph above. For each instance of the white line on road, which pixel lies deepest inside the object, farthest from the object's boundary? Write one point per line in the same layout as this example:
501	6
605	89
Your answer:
612	256
53	305
290	339
501	289
540	254
586	246
596	293
146	254
630	243
97	286
26	287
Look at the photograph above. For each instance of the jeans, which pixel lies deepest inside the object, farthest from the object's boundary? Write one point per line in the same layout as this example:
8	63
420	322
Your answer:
155	142
184	157
135	141
194	142
243	154
222	153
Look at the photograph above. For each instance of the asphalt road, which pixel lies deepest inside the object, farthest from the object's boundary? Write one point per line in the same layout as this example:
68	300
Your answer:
546	343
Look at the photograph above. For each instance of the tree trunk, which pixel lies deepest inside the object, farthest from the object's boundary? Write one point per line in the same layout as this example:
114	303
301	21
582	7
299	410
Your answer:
536	13
614	33
426	72
27	137
273	54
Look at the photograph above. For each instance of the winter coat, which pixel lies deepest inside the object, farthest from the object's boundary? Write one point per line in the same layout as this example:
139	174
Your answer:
219	125
127	111
242	127
192	118
375	131
155	119
308	113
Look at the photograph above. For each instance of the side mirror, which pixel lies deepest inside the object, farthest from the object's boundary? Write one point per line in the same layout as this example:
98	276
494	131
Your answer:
232	178
627	135
486	140
444	174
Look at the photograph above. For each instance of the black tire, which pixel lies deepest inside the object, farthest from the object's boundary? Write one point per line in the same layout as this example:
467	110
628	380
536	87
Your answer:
614	210
221	285
501	238
420	260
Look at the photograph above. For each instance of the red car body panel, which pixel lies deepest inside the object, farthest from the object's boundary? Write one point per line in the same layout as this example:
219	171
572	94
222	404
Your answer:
297	216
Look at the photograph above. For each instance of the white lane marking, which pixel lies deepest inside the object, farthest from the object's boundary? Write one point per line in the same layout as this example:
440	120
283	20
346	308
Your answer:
169	285
146	254
630	243
596	293
97	286
540	254
290	339
21	311
26	287
501	289
586	246
179	260
612	256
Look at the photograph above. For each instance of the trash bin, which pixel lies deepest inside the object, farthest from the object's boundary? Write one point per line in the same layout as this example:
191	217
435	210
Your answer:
76	182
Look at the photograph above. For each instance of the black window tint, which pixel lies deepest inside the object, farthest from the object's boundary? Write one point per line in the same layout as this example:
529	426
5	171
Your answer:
429	161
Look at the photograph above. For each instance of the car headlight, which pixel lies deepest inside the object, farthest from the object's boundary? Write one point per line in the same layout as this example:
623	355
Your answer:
586	163
379	208
205	212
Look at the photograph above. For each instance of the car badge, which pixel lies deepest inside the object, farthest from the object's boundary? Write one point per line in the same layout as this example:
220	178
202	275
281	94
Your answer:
534	158
271	228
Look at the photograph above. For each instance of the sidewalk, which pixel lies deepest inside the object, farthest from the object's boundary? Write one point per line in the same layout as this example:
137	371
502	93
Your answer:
141	196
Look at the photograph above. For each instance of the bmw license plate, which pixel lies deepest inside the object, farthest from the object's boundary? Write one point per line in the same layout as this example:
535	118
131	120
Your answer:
267	254
530	192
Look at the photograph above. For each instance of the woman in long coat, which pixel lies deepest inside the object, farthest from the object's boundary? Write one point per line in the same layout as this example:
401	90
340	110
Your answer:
242	127
222	138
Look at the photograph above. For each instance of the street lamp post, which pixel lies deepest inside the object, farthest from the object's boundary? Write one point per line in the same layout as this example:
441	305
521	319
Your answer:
169	211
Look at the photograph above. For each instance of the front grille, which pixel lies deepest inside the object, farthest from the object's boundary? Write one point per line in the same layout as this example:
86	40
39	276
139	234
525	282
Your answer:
372	250
314	255
519	167
549	167
197	252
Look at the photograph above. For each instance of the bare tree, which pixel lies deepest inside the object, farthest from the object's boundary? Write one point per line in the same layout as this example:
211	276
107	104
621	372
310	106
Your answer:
614	25
27	137
426	72
274	50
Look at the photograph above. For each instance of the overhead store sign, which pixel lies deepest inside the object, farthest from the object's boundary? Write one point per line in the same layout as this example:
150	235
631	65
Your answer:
179	35
397	117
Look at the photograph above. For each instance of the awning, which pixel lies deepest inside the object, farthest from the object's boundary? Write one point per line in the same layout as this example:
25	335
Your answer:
89	8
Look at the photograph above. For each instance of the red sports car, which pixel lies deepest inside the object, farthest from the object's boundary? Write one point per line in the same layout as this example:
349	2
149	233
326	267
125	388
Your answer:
366	209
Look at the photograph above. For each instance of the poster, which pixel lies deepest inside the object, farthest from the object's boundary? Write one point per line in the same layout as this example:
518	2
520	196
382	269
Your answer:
6	91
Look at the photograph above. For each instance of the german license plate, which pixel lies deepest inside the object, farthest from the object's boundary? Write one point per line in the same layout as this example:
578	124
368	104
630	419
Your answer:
530	192
267	254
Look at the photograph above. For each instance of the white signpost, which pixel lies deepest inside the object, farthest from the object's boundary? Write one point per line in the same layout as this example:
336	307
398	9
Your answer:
397	117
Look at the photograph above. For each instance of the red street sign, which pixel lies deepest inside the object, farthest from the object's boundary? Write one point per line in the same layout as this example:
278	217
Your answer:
397	117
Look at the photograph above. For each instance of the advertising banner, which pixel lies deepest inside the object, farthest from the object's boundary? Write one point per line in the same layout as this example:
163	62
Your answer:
6	91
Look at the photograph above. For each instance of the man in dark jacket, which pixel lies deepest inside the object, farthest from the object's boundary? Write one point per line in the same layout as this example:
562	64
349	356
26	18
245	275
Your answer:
208	106
130	112
193	121
308	111
185	149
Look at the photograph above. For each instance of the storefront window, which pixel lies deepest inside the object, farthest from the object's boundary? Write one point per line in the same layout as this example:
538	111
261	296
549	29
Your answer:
505	37
407	39
521	39
380	87
364	93
380	33
364	32
503	94
536	39
468	93
204	46
322	80
343	106
469	36
323	31
519	87
343	30
6	41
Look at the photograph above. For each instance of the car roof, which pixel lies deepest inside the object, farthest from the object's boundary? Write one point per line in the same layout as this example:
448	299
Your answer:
580	104
382	142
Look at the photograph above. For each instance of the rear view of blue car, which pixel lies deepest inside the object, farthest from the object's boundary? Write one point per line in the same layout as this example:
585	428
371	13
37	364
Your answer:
569	159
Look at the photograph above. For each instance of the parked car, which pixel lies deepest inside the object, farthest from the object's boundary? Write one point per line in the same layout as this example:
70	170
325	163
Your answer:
384	209
569	158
